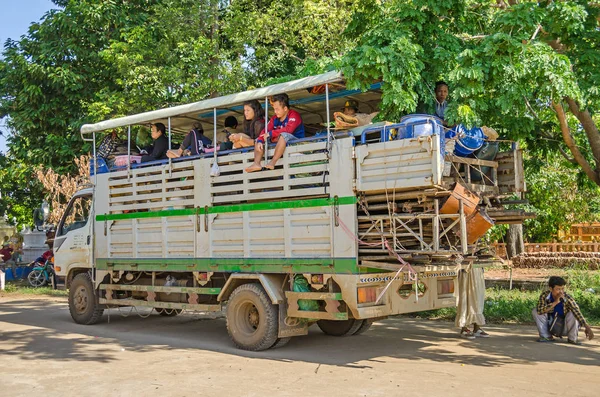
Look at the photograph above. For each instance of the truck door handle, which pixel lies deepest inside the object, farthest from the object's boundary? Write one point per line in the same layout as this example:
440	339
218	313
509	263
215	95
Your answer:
89	238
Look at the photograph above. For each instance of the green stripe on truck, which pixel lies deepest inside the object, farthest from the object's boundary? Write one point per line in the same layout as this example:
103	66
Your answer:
278	205
234	265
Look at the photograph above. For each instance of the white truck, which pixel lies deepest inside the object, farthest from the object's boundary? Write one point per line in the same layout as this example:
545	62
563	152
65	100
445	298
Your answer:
347	229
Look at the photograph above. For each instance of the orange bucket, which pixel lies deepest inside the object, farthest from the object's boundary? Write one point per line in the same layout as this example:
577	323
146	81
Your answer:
477	225
470	201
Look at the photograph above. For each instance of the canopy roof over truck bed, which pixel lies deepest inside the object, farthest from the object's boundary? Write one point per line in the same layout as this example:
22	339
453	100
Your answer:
310	105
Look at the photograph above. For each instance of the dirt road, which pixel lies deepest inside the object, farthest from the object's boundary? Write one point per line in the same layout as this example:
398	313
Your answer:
43	352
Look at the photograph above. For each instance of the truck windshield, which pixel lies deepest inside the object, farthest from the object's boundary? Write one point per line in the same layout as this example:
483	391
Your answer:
76	216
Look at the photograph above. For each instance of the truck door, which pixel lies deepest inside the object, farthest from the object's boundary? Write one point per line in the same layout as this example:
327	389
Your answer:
73	240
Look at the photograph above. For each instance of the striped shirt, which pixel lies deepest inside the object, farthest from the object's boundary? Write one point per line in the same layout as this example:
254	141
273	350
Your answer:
545	306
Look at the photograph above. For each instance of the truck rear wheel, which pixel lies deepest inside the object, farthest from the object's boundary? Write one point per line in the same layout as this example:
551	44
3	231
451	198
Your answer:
83	305
281	342
340	328
252	320
364	327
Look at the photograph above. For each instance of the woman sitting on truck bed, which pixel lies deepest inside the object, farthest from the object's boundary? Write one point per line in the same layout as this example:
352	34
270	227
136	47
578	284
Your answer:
285	127
158	150
254	123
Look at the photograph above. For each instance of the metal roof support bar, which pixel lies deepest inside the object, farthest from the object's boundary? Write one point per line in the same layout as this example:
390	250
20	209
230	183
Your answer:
215	135
266	146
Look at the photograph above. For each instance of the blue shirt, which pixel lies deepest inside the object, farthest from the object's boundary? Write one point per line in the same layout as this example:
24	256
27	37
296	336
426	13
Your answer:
440	109
560	308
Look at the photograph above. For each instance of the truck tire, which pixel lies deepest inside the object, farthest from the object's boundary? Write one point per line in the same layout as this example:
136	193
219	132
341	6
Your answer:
83	305
252	320
281	342
364	327
168	312
340	328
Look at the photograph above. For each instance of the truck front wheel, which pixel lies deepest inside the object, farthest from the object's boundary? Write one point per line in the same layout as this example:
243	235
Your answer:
340	328
252	320
83	304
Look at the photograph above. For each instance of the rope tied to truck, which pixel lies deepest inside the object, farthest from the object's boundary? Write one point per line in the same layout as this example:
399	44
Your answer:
412	274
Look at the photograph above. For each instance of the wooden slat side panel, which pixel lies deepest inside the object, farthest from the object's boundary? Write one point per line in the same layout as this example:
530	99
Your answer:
511	176
401	164
301	172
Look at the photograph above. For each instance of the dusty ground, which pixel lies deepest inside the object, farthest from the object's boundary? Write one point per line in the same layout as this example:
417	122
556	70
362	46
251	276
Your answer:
43	352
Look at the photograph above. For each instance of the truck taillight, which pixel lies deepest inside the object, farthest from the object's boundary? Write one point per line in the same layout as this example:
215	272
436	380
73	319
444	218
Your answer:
52	260
367	294
57	268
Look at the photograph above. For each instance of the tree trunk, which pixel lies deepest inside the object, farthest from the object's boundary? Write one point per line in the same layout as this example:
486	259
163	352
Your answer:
514	241
592	173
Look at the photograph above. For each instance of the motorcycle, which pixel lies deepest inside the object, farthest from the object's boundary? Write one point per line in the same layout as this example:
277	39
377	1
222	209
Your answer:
43	271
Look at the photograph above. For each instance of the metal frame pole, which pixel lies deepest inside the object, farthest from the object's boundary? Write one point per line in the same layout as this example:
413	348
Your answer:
169	123
95	159
463	227
215	134
436	226
170	159
266	130
128	148
328	119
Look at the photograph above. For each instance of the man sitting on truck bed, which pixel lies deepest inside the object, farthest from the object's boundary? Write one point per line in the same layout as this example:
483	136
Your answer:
284	127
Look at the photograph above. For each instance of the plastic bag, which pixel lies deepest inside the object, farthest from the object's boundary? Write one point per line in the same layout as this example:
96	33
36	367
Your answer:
301	285
214	170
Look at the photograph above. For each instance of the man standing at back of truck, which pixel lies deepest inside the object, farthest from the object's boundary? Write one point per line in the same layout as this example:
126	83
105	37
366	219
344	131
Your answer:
284	127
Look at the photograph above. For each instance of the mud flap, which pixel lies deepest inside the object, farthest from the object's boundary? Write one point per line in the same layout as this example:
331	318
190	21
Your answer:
290	326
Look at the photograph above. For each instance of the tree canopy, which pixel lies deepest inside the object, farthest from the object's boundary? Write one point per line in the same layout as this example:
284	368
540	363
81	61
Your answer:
530	69
91	60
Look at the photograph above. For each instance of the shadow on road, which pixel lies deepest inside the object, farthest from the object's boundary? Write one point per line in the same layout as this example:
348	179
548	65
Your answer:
56	337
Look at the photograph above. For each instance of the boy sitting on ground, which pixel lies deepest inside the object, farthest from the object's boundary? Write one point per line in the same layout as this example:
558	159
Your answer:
558	314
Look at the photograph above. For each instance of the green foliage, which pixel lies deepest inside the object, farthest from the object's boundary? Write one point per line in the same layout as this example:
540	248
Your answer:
579	278
558	197
505	65
92	60
12	288
514	306
276	38
19	190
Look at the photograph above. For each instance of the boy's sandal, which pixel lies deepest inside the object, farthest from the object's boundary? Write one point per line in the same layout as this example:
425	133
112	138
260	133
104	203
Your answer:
481	333
467	334
574	342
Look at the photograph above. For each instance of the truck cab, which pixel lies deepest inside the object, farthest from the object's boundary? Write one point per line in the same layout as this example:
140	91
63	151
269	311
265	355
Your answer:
73	242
